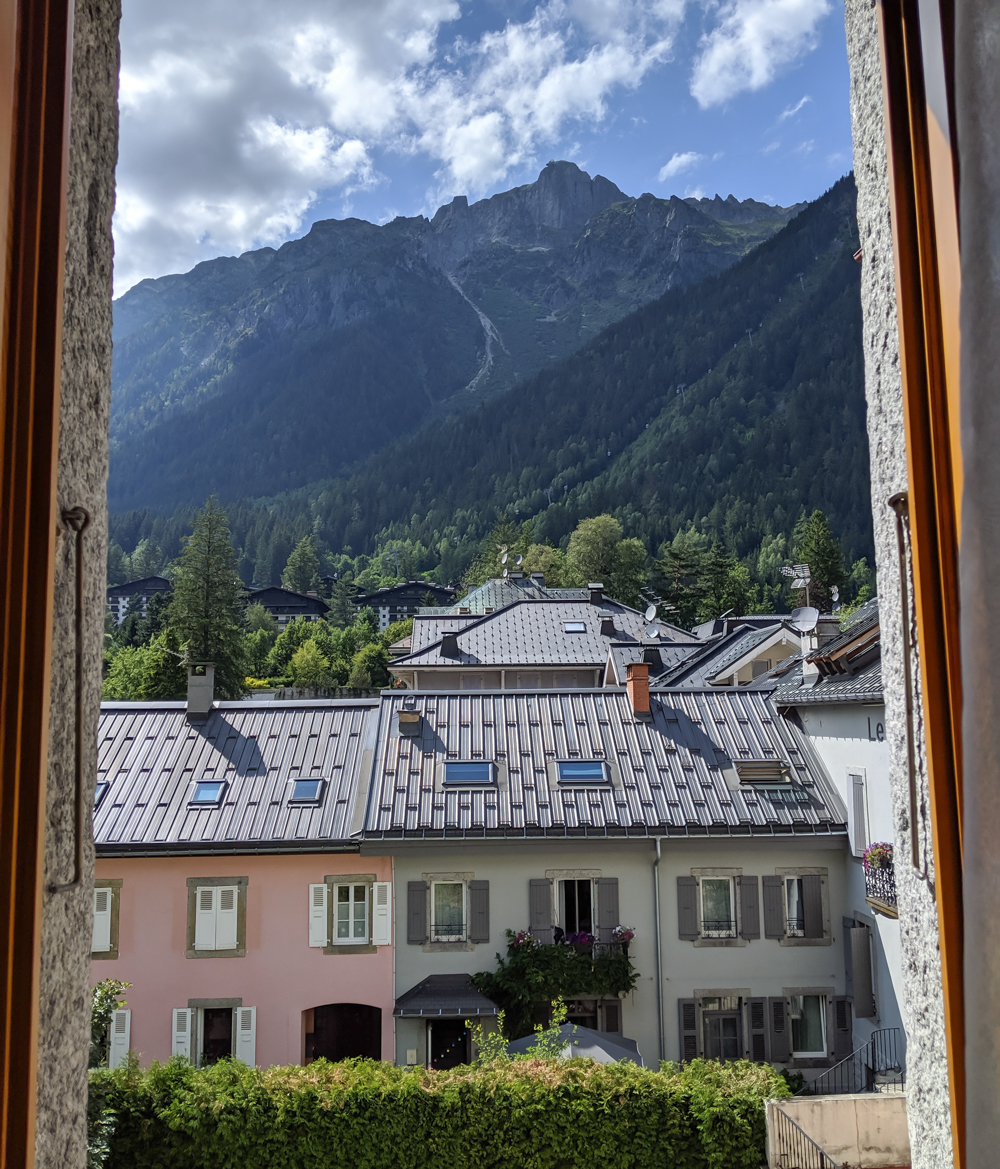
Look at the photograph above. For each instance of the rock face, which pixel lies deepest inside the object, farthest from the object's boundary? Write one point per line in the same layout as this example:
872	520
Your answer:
368	331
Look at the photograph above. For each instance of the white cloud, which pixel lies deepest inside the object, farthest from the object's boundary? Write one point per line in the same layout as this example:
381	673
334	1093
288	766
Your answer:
791	111
753	41
678	164
237	114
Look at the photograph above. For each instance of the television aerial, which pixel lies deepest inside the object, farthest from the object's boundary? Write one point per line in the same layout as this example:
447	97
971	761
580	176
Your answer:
805	619
650	613
801	575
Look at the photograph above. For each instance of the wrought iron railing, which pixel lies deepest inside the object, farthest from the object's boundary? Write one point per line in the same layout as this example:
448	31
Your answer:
718	927
880	886
608	949
876	1066
793	1148
448	931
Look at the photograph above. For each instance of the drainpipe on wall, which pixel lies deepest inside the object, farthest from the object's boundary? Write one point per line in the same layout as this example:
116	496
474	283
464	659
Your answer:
656	935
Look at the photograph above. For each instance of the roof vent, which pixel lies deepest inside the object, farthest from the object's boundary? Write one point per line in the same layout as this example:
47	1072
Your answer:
651	656
488	609
409	717
200	691
637	684
768	771
464	610
596	593
449	645
539	579
607	626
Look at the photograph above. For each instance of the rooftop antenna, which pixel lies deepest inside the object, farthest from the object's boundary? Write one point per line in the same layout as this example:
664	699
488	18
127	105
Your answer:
801	575
804	619
835	597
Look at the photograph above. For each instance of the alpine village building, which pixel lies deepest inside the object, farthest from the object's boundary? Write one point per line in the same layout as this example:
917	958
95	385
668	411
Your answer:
286	880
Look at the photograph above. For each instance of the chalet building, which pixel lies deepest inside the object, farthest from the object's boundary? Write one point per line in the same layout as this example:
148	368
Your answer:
228	891
284	605
120	595
400	601
515	586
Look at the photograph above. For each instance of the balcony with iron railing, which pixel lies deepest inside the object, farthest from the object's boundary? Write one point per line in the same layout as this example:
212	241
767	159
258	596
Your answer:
718	927
880	889
876	1066
448	931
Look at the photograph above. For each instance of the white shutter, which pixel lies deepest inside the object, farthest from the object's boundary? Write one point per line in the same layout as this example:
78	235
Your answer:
382	913
318	935
205	901
226	918
245	1025
102	921
121	1030
183	1022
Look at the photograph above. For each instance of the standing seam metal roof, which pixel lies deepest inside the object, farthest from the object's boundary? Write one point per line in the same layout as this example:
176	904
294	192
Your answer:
672	774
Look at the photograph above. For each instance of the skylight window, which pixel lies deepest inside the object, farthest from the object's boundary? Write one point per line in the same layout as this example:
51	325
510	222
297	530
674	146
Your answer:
100	793
763	771
583	771
307	791
208	792
468	773
574	626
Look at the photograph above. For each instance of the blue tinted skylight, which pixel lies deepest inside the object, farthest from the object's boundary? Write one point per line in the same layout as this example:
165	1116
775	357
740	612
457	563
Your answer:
100	793
582	771
468	773
574	626
208	791
307	791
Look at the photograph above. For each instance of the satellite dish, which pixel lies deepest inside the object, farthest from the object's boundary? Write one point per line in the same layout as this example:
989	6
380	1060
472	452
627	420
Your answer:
650	612
505	573
519	561
654	632
835	593
805	619
503	547
503	560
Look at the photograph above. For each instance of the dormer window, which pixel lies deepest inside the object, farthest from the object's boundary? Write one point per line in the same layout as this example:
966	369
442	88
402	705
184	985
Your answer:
468	773
574	626
208	792
307	791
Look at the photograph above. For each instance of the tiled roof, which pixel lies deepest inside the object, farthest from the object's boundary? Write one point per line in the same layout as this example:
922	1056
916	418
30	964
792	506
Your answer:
152	756
660	655
532	633
672	774
859	623
698	670
428	629
788	690
272	596
503	591
750	643
148	584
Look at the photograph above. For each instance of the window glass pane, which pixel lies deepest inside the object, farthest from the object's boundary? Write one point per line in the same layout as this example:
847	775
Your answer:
343	911
796	918
468	773
716	903
207	793
575	627
360	911
448	909
307	789
351	912
808	1035
581	770
100	792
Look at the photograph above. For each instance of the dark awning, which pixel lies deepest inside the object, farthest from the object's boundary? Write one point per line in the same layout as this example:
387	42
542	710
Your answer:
444	994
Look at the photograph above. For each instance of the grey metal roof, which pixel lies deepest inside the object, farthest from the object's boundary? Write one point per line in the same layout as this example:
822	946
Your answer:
698	670
788	689
427	629
148	585
665	656
445	994
859	623
152	756
528	634
672	774
503	591
749	643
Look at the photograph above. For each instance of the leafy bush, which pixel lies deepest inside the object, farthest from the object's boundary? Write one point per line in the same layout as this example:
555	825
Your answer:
537	1114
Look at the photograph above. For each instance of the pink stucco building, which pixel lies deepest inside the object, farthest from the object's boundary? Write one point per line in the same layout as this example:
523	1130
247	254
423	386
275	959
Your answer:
227	890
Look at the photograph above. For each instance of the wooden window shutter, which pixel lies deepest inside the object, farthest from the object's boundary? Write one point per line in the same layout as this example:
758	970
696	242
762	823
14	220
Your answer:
540	908
227	917
687	1010
758	1030
319	933
101	942
416	912
781	1040
245	1037
479	911
613	1017
607	907
183	1019
859	942
749	907
121	1030
848	924
687	910
382	913
204	917
774	908
812	905
840	1027
856	813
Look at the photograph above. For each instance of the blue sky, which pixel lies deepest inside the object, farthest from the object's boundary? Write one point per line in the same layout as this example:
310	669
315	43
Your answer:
244	121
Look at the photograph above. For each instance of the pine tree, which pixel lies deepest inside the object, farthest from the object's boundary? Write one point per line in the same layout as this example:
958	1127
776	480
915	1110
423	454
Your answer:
676	574
814	544
301	573
206	611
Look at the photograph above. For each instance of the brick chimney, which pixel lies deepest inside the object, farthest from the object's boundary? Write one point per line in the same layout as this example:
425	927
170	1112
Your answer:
637	684
200	691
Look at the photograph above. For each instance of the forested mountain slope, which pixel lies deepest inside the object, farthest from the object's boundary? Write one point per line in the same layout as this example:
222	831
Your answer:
258	374
732	404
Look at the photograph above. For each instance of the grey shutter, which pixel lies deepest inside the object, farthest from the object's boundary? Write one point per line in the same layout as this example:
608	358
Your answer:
416	912
777	1017
540	908
840	1041
758	1030
607	907
859	941
687	909
812	905
848	925
774	909
749	907
479	911
687	1010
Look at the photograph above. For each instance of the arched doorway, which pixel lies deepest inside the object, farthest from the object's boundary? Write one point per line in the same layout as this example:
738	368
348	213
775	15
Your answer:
343	1031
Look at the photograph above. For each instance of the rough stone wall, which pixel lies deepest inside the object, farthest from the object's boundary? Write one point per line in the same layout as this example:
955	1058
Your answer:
923	1012
82	481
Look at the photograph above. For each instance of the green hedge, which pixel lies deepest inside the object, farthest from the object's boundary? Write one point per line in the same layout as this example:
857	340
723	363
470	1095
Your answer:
541	1114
